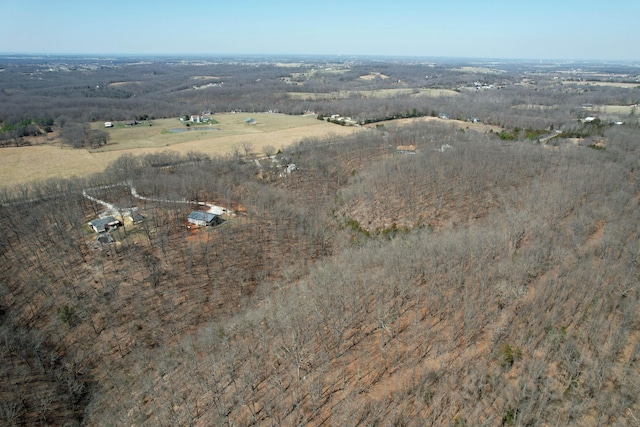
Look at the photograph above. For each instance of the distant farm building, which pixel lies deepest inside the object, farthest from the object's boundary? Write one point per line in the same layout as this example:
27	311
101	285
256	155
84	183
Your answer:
203	219
406	149
101	225
108	124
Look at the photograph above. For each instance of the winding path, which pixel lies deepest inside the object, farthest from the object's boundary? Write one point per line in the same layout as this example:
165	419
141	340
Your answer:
214	209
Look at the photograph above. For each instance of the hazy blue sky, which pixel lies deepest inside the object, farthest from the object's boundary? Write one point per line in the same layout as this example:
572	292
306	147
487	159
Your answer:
542	29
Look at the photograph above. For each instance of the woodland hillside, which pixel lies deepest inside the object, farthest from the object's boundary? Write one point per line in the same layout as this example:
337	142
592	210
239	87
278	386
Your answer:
493	283
487	279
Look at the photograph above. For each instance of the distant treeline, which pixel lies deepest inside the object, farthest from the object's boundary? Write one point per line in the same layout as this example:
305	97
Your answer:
34	95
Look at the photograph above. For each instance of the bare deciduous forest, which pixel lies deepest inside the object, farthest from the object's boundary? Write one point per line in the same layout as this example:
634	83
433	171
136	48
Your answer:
488	278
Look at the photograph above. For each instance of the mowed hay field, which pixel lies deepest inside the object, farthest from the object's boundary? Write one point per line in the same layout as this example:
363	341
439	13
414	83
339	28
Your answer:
19	165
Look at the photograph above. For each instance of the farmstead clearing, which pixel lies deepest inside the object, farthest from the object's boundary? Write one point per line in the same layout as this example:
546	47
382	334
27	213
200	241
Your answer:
19	165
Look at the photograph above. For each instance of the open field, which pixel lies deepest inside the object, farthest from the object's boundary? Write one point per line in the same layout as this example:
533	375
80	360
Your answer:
382	93
533	107
308	74
159	133
372	76
614	109
481	70
19	165
611	84
478	127
119	84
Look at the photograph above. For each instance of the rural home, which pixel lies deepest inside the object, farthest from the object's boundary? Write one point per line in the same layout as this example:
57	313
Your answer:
406	149
203	219
196	118
101	225
108	124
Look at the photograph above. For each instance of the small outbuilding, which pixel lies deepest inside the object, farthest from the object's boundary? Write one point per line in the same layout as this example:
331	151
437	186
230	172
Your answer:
291	167
136	217
203	219
101	225
105	239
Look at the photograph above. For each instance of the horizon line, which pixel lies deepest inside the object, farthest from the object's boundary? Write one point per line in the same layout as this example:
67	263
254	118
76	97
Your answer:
299	55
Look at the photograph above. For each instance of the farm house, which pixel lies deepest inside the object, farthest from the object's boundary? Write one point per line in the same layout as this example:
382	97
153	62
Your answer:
203	219
101	225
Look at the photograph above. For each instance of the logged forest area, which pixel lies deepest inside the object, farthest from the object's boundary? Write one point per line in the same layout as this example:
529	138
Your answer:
469	255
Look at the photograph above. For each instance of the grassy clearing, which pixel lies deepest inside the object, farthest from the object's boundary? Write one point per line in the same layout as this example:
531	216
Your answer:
372	76
612	84
615	109
157	133
479	127
380	94
481	70
19	165
534	107
118	84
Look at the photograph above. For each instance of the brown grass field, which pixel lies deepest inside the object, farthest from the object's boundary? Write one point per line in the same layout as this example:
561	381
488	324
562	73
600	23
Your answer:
19	165
612	84
382	93
373	75
478	127
624	110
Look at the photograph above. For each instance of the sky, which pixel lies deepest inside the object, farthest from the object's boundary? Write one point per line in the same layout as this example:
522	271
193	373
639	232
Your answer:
514	29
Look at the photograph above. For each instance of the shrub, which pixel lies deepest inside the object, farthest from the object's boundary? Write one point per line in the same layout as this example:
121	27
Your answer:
67	315
508	356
